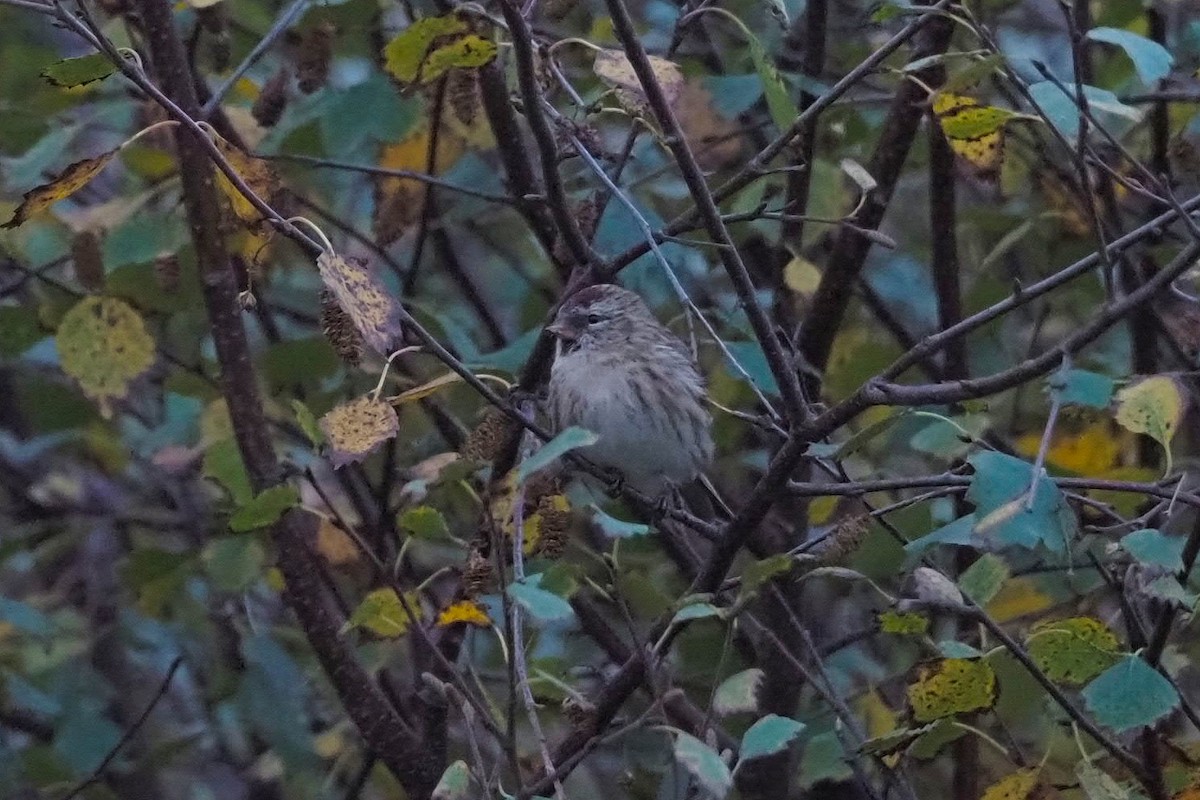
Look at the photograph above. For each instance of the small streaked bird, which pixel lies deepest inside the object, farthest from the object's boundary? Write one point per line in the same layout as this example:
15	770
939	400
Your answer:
623	375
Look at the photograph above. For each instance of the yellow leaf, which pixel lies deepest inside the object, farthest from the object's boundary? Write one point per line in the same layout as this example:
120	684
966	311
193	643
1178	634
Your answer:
356	428
104	345
952	686
360	293
69	181
1073	651
880	720
1017	786
399	201
975	132
1091	452
382	613
1153	406
335	544
255	172
1018	597
467	611
429	47
802	276
215	423
614	69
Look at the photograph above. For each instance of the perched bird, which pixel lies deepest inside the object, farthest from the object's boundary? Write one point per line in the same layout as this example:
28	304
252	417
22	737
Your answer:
621	374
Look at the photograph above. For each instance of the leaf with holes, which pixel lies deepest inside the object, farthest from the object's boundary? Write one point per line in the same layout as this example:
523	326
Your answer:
360	293
354	429
1153	406
975	132
104	345
65	184
430	47
1073	651
71	72
614	69
951	686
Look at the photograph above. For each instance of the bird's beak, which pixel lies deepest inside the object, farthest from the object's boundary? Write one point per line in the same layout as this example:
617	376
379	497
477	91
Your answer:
563	330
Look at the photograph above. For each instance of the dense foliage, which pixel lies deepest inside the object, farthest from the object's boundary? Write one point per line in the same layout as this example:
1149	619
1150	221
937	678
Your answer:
281	514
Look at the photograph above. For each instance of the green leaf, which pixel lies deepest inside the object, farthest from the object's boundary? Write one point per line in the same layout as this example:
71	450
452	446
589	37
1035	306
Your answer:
769	735
1082	388
382	613
78	71
738	693
892	742
424	522
541	604
703	764
902	623
455	783
264	509
1073	651
103	344
983	579
779	99
19	330
223	463
759	572
571	439
1130	694
307	422
1151	60
1099	785
1155	548
234	563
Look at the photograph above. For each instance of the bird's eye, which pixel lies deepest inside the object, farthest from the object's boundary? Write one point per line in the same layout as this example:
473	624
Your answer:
594	318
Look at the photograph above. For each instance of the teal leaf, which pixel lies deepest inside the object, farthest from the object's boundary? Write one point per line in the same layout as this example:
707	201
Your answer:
1063	112
25	617
571	439
983	579
1082	388
617	528
959	532
1130	694
769	735
1151	60
738	693
694	611
264	509
1153	547
949	648
455	783
542	605
704	765
754	361
998	490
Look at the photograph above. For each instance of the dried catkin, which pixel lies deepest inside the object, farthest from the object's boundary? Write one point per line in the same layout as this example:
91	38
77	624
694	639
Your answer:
88	260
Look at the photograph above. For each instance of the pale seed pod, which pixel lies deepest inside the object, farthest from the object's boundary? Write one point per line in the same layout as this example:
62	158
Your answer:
88	261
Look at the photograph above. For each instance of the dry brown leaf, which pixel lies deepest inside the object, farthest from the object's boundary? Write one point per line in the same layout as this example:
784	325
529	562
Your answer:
335	545
65	184
713	138
88	261
613	68
256	173
364	298
399	201
354	429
